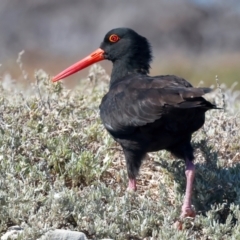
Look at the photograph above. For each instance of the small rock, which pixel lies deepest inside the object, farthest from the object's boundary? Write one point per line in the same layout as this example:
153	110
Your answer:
12	233
60	234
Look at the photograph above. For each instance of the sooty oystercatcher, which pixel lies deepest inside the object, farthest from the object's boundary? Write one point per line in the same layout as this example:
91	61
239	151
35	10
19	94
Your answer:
143	113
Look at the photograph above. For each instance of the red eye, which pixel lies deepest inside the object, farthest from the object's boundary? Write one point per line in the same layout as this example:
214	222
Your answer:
114	38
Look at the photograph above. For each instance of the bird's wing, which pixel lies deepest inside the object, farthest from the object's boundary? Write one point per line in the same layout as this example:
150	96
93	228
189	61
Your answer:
131	105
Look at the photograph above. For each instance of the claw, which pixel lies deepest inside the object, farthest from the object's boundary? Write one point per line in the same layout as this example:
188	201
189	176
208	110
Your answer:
186	212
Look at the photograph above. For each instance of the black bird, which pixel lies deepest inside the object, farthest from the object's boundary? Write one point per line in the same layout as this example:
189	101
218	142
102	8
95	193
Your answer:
143	113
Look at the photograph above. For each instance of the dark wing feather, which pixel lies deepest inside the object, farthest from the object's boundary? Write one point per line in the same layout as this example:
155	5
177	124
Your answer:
139	101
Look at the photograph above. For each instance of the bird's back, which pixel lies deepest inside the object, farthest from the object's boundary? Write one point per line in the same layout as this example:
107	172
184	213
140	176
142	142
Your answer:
155	112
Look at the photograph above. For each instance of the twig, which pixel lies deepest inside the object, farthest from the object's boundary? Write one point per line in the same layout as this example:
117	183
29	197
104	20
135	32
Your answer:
222	94
20	64
38	90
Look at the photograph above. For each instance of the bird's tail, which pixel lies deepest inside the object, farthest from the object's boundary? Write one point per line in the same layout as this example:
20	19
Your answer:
194	98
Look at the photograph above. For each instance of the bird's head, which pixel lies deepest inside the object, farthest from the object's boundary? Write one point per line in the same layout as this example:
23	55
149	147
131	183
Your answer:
119	44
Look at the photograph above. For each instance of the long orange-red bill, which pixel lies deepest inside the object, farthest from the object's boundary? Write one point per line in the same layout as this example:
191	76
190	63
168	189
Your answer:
94	57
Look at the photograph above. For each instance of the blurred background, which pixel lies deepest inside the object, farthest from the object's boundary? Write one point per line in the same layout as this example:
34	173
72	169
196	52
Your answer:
195	39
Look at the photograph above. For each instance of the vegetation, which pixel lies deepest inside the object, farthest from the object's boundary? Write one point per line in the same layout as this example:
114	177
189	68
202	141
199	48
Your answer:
60	169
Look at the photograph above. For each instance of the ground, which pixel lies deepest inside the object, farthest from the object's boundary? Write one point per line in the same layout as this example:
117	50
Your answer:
61	169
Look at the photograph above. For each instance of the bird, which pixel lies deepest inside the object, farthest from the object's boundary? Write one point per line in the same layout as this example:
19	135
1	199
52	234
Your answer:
143	113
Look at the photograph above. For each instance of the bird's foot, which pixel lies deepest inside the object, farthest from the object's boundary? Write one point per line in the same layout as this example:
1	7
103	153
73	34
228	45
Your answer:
187	212
132	185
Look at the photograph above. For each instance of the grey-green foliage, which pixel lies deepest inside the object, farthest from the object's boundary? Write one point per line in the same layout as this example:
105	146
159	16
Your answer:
56	161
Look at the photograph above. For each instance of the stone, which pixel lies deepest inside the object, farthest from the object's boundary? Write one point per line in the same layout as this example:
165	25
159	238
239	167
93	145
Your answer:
12	233
61	234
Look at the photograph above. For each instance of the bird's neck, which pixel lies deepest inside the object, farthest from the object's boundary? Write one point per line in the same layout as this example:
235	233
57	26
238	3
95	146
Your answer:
123	68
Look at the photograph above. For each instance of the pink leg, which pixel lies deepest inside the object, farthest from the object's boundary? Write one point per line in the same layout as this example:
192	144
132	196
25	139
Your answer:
132	185
187	210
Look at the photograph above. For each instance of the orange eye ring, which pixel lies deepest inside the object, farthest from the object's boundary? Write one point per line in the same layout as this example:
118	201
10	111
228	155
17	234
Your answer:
114	38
